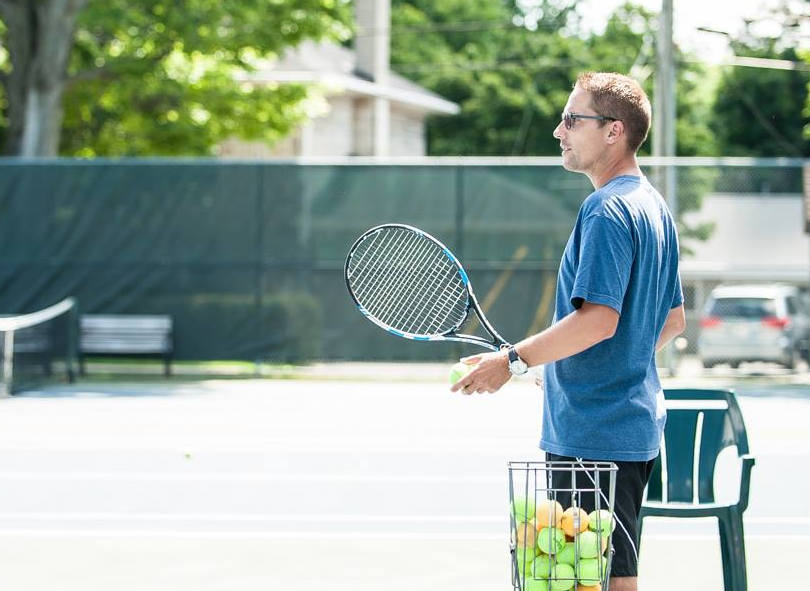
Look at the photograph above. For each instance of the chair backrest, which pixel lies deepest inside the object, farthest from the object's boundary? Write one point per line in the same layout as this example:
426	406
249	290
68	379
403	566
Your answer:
700	424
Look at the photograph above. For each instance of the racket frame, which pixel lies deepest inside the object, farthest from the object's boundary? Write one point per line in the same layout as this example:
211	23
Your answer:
496	343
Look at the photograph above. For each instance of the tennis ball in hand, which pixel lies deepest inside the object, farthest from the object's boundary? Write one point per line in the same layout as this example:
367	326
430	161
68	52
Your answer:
458	371
551	540
597	587
601	521
574	520
523	508
562	577
549	513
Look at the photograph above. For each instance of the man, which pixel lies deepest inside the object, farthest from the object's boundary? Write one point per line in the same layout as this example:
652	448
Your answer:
619	300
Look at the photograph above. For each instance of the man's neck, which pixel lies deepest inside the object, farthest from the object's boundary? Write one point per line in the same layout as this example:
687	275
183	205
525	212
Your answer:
626	165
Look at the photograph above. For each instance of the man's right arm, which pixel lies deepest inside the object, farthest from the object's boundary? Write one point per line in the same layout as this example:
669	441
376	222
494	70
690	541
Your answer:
675	324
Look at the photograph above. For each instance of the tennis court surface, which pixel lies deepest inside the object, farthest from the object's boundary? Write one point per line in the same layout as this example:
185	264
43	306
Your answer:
325	484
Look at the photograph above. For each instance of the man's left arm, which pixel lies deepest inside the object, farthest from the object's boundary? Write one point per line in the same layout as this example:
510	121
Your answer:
580	330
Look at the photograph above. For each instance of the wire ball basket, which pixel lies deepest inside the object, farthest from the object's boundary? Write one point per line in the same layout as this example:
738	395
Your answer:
561	521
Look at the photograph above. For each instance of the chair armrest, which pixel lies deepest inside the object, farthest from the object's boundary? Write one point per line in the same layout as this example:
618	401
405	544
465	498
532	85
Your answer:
748	462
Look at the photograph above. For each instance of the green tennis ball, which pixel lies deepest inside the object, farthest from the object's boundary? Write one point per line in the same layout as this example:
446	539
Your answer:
588	571
601	521
541	567
535	585
588	544
551	540
523	508
458	371
525	558
562	577
568	554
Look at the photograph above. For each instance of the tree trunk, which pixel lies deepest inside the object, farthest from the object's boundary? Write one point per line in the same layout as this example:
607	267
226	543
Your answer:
40	38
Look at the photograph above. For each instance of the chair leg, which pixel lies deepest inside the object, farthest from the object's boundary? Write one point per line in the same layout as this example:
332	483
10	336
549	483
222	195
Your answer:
732	545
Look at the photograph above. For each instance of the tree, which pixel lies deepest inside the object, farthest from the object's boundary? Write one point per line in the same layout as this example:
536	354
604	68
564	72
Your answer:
760	111
510	66
150	77
508	69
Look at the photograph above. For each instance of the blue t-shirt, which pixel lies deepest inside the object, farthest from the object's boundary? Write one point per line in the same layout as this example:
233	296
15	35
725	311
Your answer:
606	403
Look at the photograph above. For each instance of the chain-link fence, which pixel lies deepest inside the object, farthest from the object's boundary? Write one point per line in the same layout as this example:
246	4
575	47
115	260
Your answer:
247	257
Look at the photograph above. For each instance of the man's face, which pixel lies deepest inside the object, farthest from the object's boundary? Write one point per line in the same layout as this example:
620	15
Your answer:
584	143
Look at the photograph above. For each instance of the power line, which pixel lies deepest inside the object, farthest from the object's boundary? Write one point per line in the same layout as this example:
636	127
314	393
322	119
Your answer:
455	27
511	64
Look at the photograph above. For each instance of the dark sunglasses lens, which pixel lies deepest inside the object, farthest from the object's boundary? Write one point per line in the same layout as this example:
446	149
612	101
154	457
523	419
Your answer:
569	121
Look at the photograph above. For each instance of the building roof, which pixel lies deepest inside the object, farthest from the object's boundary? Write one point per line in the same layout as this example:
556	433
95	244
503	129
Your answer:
335	67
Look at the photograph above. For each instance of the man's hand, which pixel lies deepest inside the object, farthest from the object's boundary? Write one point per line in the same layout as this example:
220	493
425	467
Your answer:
490	373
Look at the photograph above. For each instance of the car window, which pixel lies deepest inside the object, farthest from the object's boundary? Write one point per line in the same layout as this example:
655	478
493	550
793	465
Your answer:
792	306
743	307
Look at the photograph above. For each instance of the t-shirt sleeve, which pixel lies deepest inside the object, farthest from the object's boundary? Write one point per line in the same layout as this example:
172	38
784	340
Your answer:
604	265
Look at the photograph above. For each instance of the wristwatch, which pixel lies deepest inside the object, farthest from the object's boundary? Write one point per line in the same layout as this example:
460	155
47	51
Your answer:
516	365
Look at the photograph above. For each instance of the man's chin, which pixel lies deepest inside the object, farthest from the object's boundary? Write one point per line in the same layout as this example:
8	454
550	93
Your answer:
568	163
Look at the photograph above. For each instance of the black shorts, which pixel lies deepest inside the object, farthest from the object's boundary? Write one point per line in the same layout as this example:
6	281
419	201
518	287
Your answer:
631	480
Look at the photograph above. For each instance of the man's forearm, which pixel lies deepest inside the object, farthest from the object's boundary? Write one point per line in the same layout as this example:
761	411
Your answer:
669	333
575	333
674	325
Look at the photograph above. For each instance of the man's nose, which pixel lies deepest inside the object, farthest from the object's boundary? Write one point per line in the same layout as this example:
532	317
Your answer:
558	131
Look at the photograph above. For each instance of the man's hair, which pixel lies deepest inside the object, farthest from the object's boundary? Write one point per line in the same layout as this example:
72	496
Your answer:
621	97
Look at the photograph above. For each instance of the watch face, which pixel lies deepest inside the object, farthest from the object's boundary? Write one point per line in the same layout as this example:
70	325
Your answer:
518	367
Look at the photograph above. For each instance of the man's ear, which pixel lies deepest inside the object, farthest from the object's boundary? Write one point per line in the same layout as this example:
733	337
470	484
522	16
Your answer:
615	131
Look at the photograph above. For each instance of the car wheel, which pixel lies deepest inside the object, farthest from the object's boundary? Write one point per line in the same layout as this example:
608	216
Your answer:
734	364
707	363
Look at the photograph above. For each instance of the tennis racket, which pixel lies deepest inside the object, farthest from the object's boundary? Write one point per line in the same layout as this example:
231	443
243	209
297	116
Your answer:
410	284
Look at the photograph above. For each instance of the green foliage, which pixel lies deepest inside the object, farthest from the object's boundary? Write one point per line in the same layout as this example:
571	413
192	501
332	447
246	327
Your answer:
157	78
512	65
510	80
760	112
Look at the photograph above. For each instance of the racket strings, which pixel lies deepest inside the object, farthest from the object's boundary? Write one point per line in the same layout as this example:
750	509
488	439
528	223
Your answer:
407	281
416	277
447	293
381	273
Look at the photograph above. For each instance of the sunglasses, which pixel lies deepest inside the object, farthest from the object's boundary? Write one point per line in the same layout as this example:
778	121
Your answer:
570	118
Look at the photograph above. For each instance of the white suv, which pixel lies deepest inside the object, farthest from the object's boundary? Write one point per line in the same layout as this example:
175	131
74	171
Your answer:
769	322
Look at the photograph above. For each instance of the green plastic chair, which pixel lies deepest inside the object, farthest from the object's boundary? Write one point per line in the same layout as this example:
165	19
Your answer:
700	424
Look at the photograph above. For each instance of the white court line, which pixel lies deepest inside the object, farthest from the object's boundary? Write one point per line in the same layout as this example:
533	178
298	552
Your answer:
250	517
121	533
240	476
330	518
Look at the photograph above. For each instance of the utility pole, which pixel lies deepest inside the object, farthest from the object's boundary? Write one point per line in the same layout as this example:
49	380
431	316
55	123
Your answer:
664	104
664	129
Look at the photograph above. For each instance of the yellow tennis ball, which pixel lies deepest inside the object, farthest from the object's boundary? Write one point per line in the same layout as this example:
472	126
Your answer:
601	521
458	371
549	513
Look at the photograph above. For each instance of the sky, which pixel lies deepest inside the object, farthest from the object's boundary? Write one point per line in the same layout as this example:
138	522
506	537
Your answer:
688	15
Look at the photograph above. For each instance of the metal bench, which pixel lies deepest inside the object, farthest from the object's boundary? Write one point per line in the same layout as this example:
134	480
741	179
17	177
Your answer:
126	334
